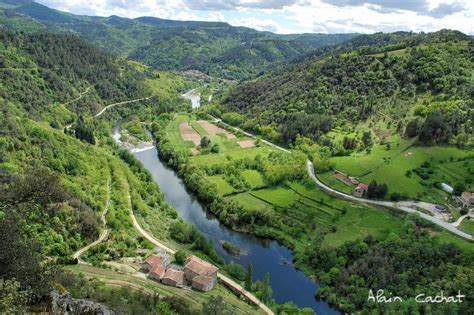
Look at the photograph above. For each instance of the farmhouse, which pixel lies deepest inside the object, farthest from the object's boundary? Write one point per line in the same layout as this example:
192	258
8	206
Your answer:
157	272
161	259
467	199
201	274
203	283
361	189
173	277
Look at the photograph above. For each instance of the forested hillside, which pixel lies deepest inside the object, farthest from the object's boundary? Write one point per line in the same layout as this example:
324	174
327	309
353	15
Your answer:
56	179
424	82
216	48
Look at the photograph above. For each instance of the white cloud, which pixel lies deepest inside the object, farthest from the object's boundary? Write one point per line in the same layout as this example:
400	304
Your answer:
260	25
328	16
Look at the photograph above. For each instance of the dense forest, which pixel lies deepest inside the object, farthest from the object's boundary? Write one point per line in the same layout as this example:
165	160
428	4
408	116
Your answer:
216	48
55	178
424	82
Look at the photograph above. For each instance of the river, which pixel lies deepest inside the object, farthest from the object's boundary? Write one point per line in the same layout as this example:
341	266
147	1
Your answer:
288	284
194	96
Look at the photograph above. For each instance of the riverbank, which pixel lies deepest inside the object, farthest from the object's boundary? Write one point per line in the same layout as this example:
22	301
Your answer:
288	283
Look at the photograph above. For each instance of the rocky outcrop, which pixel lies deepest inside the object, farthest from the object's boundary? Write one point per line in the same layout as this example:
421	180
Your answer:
65	304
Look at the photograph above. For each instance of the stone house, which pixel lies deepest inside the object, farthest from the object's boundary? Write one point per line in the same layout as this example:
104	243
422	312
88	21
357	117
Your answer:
162	259
467	199
173	277
361	190
201	274
157	272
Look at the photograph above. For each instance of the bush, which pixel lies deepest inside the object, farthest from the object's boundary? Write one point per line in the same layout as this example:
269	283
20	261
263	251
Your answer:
235	270
395	196
180	257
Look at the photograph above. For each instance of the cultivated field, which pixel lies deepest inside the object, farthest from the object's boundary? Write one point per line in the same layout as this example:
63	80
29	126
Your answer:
188	133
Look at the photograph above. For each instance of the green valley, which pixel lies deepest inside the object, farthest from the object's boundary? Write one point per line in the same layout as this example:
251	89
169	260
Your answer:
158	166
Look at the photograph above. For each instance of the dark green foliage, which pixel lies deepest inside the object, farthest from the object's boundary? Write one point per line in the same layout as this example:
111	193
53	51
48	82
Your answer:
42	68
236	271
188	234
19	257
83	131
180	257
213	47
332	88
377	191
205	141
459	188
216	306
412	263
248	278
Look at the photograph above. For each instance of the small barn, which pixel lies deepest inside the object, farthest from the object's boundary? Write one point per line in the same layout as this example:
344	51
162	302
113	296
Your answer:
361	190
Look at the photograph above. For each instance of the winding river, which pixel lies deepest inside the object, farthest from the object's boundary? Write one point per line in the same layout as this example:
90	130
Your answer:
288	284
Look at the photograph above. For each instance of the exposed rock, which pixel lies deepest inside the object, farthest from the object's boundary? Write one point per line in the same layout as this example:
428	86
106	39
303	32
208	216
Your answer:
65	304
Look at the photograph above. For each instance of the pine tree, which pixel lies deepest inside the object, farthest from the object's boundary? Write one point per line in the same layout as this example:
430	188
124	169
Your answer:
248	278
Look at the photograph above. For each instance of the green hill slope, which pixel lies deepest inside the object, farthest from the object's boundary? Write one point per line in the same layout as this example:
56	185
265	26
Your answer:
388	74
212	47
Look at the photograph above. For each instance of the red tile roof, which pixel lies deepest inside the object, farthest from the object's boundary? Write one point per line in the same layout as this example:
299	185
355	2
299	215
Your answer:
173	274
200	266
154	260
157	270
203	280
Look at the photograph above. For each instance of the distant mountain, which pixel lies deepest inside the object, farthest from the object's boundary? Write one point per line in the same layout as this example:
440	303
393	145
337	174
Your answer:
213	47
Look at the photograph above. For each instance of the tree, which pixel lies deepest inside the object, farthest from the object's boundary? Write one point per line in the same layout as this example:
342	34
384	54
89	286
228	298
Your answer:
376	190
180	257
367	138
459	188
215	148
249	278
215	306
266	293
12	298
205	141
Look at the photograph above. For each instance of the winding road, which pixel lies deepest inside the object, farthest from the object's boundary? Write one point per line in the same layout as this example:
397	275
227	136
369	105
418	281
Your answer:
405	206
400	205
234	286
105	232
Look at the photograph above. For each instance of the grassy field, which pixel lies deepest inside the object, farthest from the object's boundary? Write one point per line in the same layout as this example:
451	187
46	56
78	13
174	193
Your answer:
222	186
312	208
218	158
446	164
254	179
467	226
172	132
229	148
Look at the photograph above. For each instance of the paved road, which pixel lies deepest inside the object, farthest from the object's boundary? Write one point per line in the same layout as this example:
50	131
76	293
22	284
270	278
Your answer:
234	286
105	232
461	218
390	204
405	206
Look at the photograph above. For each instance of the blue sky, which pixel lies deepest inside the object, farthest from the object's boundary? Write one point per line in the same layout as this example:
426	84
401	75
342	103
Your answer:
294	16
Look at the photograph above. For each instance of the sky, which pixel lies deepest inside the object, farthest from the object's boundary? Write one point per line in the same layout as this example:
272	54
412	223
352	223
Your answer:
294	16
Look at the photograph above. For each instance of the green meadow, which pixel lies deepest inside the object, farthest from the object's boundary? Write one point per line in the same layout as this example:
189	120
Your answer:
397	163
